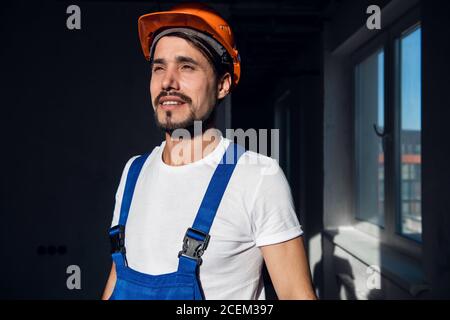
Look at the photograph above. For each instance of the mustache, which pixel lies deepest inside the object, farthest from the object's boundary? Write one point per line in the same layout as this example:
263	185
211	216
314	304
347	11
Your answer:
183	97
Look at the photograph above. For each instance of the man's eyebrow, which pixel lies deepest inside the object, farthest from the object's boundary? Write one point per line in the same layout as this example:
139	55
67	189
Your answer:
159	61
181	59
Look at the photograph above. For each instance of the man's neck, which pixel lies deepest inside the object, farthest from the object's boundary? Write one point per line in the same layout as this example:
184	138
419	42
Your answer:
179	152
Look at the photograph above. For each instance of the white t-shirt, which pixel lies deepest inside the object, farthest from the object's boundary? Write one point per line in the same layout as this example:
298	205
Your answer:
256	210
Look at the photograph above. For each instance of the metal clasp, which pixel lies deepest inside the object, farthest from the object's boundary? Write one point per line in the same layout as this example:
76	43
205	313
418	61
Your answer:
195	243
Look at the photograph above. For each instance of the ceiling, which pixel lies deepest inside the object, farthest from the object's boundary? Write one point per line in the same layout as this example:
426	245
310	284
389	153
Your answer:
268	31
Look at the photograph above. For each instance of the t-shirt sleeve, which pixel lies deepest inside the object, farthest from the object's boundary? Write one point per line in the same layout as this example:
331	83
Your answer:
273	215
119	192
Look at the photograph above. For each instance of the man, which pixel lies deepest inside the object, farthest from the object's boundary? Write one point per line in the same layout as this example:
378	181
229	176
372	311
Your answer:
241	212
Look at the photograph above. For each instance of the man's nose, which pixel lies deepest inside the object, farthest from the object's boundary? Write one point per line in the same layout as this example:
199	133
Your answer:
170	80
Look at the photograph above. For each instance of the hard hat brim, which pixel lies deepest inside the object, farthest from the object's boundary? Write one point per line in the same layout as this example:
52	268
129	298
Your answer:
151	23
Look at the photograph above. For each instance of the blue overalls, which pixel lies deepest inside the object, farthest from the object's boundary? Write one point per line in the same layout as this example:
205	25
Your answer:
184	284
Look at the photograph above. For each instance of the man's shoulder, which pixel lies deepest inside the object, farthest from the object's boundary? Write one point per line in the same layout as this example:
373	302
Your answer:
252	158
257	159
257	164
149	155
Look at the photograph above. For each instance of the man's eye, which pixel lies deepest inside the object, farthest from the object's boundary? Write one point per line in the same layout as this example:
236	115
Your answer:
187	67
157	68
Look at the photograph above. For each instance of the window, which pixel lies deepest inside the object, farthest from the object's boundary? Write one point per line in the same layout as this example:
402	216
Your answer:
387	122
369	101
409	70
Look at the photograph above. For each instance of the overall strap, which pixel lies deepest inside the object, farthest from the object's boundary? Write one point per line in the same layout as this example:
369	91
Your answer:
133	174
196	238
117	233
216	188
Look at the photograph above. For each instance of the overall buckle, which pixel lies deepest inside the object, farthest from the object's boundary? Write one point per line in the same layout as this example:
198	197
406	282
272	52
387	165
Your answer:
195	243
117	239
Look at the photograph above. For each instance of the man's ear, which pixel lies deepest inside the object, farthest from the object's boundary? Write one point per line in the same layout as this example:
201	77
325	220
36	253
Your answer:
224	86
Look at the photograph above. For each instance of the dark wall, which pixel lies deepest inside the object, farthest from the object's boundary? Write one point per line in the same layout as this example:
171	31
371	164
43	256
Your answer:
75	108
436	151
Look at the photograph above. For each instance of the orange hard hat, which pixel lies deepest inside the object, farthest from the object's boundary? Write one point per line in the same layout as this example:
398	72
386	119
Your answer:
193	16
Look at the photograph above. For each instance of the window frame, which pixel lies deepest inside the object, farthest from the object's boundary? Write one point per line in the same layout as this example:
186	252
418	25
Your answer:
388	40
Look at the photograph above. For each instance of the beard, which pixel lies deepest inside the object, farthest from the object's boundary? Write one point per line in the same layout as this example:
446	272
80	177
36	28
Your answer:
168	125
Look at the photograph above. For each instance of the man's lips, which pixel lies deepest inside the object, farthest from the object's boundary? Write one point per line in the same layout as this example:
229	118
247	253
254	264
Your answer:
170	102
